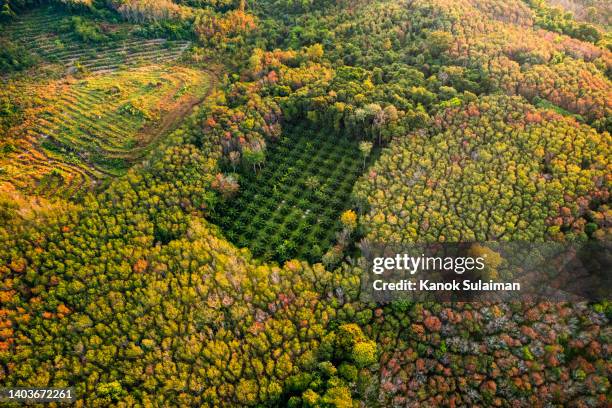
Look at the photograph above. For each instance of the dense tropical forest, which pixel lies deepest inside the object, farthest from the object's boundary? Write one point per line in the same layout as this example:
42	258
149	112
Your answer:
187	187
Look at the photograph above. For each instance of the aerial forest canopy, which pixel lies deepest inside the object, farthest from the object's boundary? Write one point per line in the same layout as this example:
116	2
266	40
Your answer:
186	187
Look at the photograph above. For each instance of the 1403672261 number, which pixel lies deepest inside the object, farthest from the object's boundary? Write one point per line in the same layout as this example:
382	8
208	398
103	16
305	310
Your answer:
36	394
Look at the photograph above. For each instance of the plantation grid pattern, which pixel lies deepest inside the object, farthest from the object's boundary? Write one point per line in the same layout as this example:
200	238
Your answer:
291	207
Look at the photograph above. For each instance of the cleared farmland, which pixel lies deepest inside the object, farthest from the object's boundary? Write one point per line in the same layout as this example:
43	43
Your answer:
89	128
104	110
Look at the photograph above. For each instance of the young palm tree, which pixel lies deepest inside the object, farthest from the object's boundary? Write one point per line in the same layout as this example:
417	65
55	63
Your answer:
365	148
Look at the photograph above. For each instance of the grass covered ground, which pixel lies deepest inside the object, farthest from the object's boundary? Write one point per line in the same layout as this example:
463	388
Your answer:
101	118
100	124
291	208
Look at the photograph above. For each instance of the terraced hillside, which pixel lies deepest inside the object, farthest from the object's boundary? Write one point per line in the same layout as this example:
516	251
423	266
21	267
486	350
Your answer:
46	34
102	111
85	129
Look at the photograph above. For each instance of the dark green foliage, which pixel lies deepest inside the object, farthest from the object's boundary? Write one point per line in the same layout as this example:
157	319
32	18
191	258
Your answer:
177	30
219	5
85	30
14	57
290	208
10	8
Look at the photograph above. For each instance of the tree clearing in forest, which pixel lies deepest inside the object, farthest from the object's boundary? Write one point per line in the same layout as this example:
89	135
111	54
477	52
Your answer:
96	126
290	208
